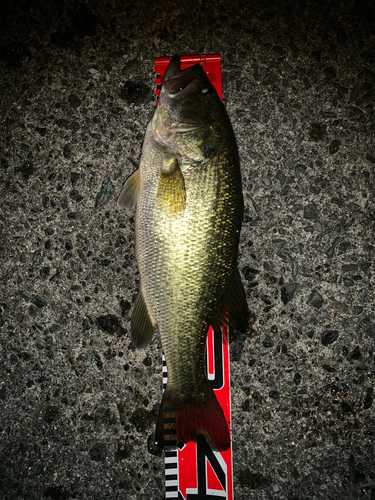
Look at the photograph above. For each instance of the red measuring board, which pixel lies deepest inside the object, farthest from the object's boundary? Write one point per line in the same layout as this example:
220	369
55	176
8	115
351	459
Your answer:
195	471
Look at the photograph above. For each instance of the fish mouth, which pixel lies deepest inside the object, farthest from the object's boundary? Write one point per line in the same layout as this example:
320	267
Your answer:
183	83
171	118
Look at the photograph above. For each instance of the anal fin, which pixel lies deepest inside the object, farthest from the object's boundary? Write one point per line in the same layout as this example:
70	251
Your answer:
142	326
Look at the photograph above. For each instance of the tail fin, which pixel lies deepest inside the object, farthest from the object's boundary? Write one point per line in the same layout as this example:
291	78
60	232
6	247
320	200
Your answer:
182	418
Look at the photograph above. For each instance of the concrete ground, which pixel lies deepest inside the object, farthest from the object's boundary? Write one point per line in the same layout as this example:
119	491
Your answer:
77	403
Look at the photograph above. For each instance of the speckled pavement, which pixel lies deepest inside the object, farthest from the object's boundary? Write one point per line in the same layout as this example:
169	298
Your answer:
78	404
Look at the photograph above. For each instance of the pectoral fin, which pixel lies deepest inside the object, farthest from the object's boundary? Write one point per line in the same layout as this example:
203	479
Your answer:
171	187
142	326
129	194
235	312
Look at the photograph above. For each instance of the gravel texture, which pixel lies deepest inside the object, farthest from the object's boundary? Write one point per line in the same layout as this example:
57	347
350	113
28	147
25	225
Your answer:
77	403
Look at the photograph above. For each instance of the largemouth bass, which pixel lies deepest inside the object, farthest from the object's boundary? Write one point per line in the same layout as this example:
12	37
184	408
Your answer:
189	205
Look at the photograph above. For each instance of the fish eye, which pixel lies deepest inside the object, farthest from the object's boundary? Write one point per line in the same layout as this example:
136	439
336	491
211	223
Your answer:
204	90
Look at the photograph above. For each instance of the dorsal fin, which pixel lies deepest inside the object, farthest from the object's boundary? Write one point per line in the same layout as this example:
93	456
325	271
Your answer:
235	312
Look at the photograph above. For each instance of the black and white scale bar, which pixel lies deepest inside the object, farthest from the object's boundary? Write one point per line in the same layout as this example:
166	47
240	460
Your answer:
171	474
170	456
165	373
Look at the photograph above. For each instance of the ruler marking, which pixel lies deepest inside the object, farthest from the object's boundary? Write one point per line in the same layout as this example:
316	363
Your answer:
171	488
171	477
171	466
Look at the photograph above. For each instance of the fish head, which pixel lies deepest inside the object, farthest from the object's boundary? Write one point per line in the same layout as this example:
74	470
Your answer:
190	115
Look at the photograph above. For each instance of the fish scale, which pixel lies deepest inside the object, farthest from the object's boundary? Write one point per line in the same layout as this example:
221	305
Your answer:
179	260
